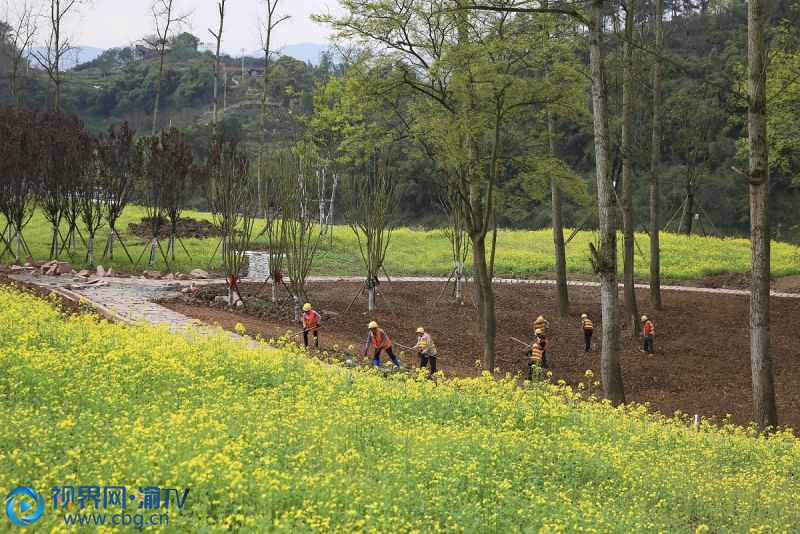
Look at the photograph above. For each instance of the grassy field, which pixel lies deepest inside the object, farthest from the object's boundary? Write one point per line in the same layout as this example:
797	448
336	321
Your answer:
520	253
269	440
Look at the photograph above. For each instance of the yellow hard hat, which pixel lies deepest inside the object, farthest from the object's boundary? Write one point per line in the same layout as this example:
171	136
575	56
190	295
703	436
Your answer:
373	324
584	316
420	330
539	331
644	317
540	318
306	307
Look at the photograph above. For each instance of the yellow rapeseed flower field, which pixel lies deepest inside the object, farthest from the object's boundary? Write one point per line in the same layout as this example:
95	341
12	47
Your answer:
269	440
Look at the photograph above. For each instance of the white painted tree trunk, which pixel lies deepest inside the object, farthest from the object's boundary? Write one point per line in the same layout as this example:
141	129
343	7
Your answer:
371	298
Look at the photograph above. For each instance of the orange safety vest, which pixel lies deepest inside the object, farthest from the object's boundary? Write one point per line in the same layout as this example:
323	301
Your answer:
649	329
540	325
380	339
311	320
536	353
587	324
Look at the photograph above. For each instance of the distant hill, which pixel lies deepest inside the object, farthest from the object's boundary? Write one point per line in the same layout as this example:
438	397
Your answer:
304	51
83	54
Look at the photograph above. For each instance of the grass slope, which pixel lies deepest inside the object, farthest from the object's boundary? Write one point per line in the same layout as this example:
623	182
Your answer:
269	440
520	253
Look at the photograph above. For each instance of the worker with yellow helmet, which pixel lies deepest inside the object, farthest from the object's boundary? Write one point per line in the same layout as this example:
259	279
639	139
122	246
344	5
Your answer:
310	320
541	324
426	349
588	330
380	340
648	334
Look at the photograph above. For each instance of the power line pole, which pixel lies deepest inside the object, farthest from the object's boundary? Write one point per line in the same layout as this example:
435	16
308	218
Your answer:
243	63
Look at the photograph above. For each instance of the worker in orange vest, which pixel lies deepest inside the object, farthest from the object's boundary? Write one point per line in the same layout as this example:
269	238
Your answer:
311	320
648	333
380	340
588	330
541	324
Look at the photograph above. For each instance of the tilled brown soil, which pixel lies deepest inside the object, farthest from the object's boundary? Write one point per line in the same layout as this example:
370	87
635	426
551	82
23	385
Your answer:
701	365
185	228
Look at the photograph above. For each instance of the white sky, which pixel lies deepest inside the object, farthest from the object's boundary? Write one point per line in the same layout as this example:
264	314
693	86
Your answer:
109	23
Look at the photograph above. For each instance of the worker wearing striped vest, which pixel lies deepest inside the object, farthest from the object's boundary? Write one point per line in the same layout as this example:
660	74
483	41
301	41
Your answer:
588	330
538	359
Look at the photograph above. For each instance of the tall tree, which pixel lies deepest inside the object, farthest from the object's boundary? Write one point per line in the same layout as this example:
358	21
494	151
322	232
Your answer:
765	412
218	38
605	256
167	19
266	27
369	205
232	203
655	164
22	30
631	310
466	76
120	161
558	223
57	44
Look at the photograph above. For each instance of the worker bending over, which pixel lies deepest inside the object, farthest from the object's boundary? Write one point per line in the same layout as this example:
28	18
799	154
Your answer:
538	359
380	340
588	329
311	320
426	349
648	333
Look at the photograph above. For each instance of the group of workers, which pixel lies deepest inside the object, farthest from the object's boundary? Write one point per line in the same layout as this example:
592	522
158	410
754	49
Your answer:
538	349
426	348
378	339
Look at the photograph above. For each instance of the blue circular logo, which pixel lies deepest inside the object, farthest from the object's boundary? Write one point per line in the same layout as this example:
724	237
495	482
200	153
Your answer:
31	506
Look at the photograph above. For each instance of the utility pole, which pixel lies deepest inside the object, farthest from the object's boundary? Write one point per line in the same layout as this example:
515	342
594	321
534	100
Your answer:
243	63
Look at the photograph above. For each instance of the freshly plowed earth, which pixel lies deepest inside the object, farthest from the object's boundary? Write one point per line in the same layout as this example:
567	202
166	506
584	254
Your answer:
701	365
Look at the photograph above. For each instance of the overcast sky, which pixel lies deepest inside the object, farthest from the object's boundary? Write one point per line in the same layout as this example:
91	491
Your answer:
109	23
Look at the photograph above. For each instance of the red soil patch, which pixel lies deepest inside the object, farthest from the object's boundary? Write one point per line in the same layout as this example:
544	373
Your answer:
701	365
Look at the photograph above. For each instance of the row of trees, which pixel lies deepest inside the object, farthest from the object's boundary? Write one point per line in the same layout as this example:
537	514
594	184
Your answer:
79	182
456	76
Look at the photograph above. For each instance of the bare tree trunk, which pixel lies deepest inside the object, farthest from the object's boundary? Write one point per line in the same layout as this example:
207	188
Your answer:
764	410
655	168
606	257
218	37
631	310
558	226
483	283
688	211
154	129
